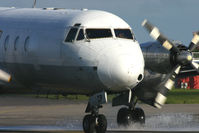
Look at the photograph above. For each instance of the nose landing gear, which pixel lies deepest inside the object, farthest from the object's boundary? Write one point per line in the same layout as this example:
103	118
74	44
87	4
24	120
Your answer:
89	124
95	122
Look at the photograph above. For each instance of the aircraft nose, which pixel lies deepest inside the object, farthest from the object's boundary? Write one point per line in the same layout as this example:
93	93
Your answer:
123	72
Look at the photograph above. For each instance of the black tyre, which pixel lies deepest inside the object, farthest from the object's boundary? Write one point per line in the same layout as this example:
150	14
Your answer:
101	124
89	124
124	117
138	115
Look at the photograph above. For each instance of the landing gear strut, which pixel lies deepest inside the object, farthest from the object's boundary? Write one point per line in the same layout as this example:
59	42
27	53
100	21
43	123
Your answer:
95	122
129	114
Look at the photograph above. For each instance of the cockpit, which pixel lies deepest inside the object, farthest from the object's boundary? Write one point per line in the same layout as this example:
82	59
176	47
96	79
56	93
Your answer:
78	33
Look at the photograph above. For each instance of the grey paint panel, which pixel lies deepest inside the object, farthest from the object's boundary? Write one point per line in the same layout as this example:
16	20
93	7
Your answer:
67	78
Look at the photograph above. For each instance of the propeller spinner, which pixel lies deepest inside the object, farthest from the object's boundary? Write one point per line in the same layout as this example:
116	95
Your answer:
182	58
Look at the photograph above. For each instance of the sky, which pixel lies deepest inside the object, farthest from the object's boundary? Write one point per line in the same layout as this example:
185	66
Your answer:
177	19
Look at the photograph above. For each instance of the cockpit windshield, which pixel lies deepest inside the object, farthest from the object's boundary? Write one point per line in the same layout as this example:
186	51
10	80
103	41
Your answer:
77	33
71	35
123	33
98	33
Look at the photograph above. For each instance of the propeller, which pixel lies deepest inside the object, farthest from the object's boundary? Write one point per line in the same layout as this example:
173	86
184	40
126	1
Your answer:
180	58
34	4
4	76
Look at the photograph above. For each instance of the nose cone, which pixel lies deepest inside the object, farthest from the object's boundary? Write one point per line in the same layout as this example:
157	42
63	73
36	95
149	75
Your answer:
126	71
123	70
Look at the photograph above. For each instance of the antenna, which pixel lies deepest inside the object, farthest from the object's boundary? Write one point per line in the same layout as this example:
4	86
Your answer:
34	5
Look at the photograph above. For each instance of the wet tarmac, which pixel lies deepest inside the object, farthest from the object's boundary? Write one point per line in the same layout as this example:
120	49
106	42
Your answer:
22	114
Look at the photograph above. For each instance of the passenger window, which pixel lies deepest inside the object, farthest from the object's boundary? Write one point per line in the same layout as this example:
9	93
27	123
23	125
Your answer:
71	35
123	33
26	44
6	43
1	32
16	43
81	35
98	33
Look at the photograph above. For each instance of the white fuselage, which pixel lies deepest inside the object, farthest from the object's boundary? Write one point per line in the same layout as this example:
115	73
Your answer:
36	50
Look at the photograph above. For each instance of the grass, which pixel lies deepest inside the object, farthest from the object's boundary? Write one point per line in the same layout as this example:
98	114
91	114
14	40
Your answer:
70	97
176	96
181	96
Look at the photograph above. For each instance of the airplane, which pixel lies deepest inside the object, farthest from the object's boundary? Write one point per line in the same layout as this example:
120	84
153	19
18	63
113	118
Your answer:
89	52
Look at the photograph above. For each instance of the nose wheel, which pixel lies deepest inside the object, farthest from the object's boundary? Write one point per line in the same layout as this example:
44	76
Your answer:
95	122
89	124
127	116
92	124
101	124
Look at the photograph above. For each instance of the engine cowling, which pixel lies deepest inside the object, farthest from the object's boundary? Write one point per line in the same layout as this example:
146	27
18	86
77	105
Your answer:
160	60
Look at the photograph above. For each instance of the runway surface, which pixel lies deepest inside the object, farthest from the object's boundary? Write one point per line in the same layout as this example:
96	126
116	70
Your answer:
22	113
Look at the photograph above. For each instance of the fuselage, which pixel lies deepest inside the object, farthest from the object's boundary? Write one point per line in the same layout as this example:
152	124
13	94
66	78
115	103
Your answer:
81	51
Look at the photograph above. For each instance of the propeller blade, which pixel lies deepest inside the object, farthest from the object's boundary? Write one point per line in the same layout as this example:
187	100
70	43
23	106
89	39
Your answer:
157	35
4	76
166	87
195	65
194	42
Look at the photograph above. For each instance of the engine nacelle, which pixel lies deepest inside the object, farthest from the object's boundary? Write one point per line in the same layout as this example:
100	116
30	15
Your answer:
157	58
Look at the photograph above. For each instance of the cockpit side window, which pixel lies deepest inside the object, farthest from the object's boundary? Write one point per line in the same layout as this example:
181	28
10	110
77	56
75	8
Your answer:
71	35
80	35
98	33
123	33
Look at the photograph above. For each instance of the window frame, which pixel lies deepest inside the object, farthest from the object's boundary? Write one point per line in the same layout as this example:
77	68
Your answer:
26	43
1	33
133	37
108	28
80	28
6	42
70	27
16	43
